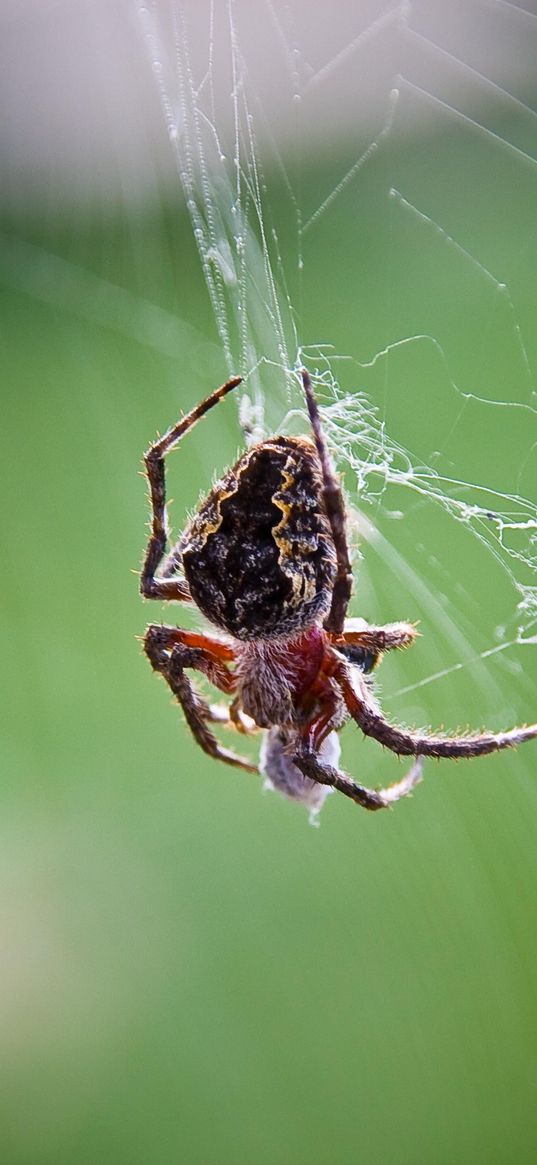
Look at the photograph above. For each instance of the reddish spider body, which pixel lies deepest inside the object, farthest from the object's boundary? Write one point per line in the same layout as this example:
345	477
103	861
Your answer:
265	559
275	679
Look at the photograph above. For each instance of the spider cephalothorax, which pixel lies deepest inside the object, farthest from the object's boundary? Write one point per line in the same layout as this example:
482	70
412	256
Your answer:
265	559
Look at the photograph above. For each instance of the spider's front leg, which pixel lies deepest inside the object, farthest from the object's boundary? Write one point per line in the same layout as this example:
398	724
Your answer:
366	713
172	651
311	765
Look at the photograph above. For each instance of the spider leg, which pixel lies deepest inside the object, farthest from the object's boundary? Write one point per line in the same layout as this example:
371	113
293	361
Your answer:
311	766
151	586
364	645
335	509
170	653
370	719
240	720
357	632
232	716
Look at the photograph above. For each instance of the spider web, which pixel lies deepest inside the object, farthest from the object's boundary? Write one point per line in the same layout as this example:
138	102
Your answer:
393	140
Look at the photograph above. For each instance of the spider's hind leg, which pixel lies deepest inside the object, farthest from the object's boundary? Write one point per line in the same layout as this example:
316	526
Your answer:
335	510
151	585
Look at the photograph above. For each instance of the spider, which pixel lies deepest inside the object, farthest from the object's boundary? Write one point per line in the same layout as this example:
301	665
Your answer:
265	559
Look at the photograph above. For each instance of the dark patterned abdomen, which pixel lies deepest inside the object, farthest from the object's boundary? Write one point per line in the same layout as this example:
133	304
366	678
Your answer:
258	555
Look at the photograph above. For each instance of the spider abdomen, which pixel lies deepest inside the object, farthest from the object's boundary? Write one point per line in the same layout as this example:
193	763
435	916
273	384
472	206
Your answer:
258	555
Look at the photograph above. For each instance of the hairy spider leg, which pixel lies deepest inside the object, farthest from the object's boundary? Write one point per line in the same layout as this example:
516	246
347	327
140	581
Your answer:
327	694
165	587
311	766
391	636
367	715
364	645
335	510
170	651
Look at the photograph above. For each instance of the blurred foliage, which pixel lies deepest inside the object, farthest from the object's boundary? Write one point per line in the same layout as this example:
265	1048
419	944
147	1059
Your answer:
190	972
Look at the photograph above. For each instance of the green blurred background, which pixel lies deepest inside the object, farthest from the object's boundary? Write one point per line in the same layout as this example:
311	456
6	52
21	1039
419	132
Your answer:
189	972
